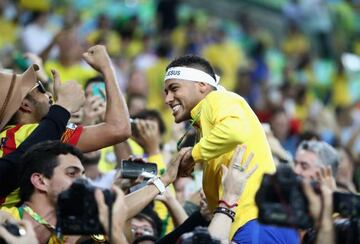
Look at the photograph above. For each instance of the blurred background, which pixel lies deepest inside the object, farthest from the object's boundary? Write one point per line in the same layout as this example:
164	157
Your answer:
296	62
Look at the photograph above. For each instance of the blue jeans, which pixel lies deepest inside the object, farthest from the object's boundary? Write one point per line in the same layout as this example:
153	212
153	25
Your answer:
254	233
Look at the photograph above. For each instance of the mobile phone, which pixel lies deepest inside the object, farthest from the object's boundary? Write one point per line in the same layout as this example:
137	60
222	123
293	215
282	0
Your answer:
98	89
132	169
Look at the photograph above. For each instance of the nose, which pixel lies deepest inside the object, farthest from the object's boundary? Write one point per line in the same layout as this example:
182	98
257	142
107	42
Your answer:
169	97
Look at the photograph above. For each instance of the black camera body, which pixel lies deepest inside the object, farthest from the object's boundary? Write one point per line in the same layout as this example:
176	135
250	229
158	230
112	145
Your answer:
200	235
281	200
77	211
12	229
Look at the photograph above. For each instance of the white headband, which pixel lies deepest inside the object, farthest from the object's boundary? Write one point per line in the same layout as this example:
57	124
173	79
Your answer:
191	74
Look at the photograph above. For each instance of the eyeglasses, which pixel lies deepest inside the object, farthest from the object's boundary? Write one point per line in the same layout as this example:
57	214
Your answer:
39	85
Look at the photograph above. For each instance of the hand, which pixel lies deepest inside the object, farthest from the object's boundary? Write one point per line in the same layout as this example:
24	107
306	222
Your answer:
28	238
119	209
70	95
172	168
6	217
98	58
204	210
94	110
235	177
324	175
148	136
165	197
187	163
320	206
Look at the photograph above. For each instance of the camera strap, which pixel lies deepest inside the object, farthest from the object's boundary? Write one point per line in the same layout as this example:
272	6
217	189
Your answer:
35	216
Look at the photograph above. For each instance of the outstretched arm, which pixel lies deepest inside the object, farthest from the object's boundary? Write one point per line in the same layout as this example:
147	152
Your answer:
116	127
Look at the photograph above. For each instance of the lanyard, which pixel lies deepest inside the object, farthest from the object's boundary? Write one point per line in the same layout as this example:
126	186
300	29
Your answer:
181	140
42	221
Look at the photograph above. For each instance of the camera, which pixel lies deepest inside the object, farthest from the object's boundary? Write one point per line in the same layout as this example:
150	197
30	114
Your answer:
281	200
12	229
200	235
77	211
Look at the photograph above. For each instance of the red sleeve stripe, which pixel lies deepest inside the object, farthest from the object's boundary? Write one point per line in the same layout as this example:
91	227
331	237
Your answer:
10	144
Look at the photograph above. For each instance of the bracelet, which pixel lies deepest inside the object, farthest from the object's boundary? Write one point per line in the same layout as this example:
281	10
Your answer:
227	204
226	211
158	183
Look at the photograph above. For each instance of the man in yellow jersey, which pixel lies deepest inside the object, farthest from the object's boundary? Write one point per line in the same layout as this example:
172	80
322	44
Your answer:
224	120
115	128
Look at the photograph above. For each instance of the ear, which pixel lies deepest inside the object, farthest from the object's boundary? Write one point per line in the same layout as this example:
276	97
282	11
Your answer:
26	106
38	182
203	87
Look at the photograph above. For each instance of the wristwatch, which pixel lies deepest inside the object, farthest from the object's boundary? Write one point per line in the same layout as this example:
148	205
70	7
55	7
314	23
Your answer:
158	183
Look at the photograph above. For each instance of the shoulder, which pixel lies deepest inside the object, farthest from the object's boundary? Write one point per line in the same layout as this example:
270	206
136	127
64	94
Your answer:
223	96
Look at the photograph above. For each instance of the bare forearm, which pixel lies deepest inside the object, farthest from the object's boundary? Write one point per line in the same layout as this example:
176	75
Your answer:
177	212
138	200
220	226
116	109
326	233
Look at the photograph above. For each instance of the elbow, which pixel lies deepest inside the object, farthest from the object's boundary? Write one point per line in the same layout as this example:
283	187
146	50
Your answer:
121	132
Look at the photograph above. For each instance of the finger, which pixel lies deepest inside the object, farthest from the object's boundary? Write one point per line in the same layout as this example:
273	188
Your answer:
27	226
238	155
328	171
99	196
57	78
308	190
252	170
248	160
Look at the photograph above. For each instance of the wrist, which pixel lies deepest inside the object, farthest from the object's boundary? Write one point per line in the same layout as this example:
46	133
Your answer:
227	204
165	179
230	198
106	69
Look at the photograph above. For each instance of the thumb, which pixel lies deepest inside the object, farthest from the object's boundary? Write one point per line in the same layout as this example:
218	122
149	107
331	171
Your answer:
57	79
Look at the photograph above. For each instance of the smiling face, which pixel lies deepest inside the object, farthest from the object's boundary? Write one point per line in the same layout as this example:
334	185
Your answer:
182	96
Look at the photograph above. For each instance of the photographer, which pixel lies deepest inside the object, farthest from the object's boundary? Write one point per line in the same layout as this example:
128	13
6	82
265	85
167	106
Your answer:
50	168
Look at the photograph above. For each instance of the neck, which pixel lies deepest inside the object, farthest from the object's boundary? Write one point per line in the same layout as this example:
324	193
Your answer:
44	207
25	118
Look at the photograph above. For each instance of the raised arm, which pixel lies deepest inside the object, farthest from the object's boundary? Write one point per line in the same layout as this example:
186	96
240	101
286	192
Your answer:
116	126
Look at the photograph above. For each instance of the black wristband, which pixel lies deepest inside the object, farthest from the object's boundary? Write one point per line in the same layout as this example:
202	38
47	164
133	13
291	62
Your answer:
226	211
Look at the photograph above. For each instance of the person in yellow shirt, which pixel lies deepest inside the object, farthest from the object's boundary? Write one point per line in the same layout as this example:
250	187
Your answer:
224	120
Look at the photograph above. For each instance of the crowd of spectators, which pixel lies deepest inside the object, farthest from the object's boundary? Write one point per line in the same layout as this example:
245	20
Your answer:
99	87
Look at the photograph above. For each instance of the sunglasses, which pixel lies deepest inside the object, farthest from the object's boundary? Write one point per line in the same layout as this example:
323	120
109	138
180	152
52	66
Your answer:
39	86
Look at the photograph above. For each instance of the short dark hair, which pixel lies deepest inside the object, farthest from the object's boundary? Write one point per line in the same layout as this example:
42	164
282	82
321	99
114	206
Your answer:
42	158
193	61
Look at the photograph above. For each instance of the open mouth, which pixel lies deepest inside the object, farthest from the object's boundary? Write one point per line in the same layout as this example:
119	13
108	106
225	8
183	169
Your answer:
176	108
